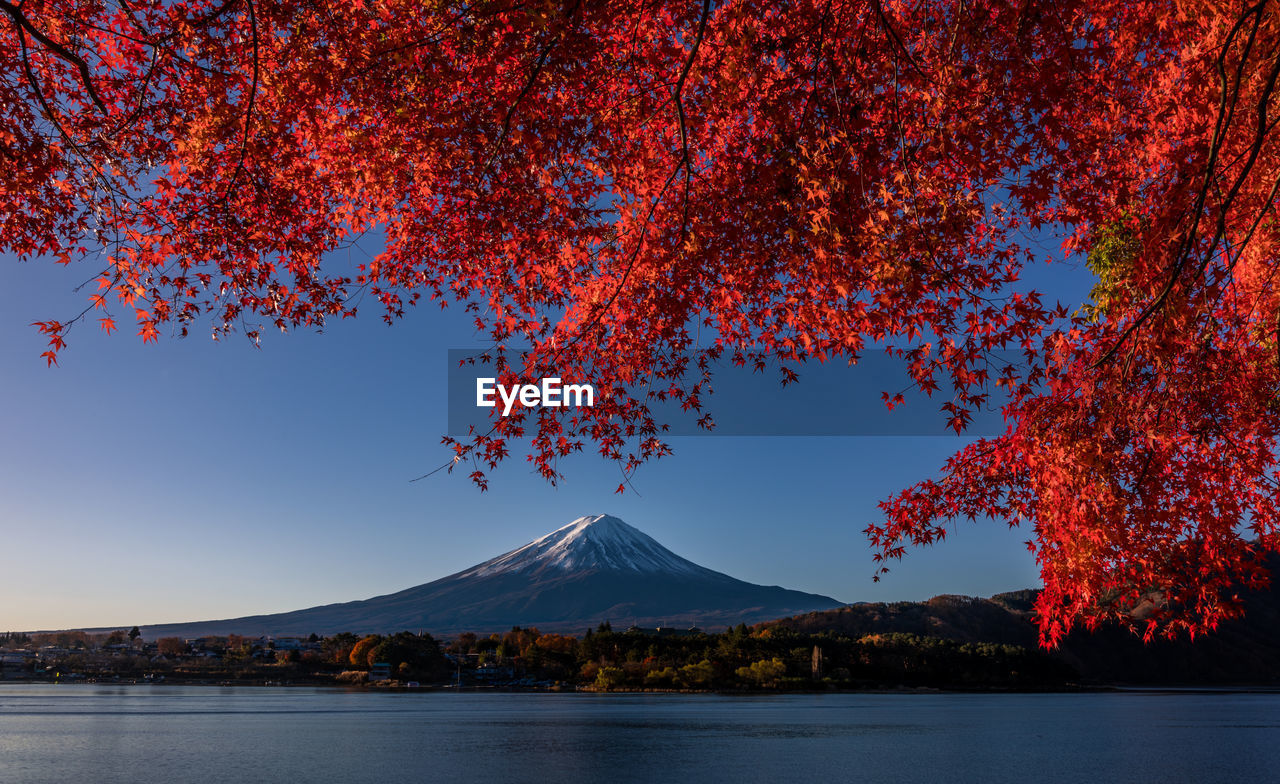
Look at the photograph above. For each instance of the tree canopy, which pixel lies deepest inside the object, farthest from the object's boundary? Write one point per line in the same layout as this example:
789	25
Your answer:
634	190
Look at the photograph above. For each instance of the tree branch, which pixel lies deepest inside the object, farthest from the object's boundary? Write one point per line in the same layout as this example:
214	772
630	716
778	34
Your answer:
63	53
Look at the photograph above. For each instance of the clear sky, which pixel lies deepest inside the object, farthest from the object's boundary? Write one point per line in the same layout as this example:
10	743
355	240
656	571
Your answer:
194	480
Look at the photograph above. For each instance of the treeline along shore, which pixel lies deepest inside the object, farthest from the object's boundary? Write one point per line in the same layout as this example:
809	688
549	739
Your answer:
947	642
742	658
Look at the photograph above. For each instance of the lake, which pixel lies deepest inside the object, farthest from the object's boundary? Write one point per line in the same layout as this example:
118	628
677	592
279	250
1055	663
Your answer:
165	734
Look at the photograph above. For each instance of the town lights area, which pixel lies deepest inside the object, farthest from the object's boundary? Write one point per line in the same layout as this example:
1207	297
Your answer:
547	393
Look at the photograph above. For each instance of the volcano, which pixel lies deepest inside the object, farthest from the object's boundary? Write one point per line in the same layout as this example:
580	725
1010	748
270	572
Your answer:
593	570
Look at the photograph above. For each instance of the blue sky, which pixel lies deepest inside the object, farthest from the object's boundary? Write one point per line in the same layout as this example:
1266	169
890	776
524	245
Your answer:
194	480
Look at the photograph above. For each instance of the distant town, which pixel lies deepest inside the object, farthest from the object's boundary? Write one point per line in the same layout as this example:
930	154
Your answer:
602	659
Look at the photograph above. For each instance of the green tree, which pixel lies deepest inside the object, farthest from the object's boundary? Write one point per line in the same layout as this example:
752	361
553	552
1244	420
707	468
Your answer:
337	649
609	678
763	673
463	644
409	654
661	678
698	676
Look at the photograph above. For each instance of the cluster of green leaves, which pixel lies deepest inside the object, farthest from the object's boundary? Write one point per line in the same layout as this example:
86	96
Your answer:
1116	246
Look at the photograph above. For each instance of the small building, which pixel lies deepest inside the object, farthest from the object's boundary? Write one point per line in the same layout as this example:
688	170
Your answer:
15	663
380	671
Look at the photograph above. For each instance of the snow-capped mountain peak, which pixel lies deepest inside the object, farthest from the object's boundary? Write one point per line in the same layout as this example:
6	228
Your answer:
594	569
597	542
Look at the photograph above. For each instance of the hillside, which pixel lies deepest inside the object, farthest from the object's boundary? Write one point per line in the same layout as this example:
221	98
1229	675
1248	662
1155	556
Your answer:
1242	651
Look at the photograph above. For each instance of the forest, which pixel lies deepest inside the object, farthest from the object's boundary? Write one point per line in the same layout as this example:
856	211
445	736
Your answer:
947	642
741	658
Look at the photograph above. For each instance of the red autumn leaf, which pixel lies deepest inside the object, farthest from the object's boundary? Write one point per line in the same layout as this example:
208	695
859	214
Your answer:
611	185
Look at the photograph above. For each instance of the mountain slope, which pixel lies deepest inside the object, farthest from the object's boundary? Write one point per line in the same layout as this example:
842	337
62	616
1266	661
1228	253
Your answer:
594	569
1241	651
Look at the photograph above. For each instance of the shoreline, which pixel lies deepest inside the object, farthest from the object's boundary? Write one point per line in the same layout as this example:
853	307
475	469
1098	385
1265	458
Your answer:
570	689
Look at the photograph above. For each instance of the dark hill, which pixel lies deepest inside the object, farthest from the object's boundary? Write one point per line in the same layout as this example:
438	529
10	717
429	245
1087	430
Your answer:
1241	651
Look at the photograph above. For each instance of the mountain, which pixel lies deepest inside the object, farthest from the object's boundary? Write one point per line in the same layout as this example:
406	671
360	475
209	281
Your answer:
1242	650
592	570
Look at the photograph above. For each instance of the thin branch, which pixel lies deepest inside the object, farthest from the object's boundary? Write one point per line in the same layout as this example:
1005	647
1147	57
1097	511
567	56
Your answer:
677	94
543	56
65	54
248	112
1225	114
897	41
684	164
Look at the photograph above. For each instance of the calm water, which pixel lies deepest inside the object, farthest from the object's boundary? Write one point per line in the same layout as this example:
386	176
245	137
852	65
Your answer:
168	734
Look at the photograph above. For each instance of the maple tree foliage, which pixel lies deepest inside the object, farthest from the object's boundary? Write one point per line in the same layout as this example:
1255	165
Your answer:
636	190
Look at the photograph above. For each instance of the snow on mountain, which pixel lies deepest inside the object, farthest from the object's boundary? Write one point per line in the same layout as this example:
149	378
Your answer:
594	569
588	544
